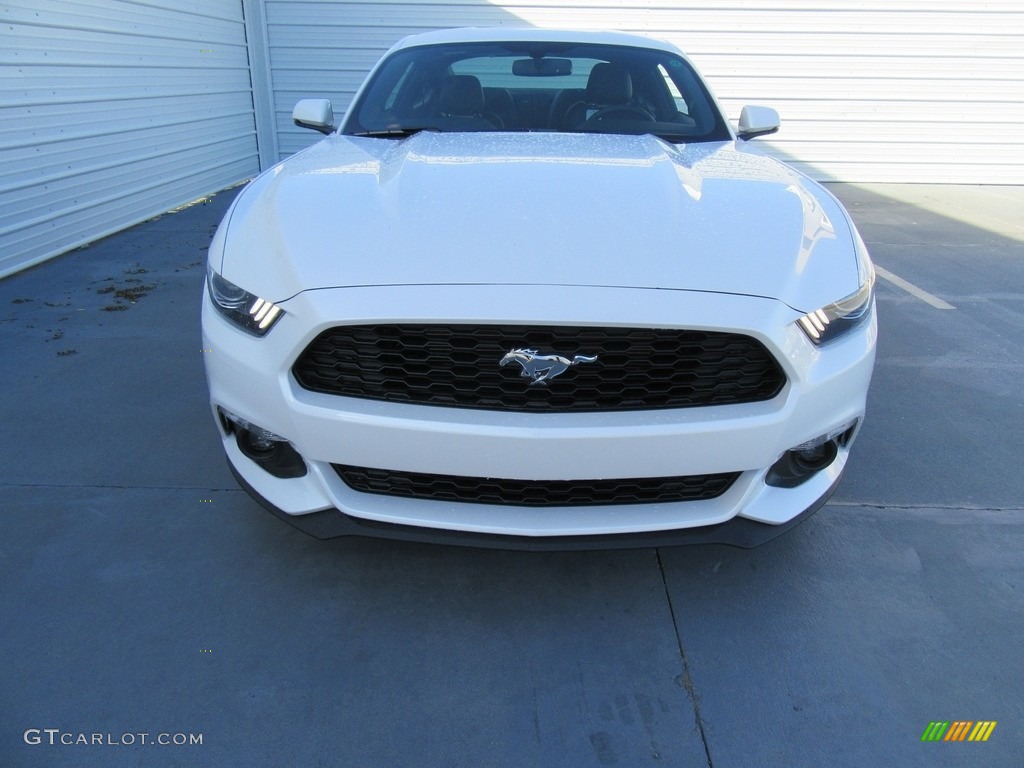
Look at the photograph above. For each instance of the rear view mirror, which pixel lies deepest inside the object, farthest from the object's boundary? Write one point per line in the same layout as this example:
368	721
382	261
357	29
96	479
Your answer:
542	67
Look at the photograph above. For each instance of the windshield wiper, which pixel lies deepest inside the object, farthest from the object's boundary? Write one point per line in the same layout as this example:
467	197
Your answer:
678	138
397	133
673	137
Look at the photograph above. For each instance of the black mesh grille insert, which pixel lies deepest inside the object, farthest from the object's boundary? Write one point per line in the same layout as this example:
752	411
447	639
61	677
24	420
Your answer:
460	366
543	493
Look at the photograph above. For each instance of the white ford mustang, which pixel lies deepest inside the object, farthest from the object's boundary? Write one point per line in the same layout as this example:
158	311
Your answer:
535	291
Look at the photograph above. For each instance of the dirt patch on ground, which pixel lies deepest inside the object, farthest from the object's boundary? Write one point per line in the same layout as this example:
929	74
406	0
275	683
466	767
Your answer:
131	290
133	293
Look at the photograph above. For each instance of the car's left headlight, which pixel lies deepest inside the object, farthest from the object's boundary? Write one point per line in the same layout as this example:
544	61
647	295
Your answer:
247	311
833	320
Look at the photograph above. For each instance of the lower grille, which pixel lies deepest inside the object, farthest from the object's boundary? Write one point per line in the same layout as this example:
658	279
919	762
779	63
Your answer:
541	493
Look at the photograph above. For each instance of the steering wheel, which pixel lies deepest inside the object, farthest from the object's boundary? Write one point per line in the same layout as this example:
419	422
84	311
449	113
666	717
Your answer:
628	111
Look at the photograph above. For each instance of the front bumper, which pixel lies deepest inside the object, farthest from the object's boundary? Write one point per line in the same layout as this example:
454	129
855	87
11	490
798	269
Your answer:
826	389
737	532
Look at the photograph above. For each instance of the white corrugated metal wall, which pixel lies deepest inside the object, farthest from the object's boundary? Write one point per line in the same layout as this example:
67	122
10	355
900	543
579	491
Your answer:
869	90
113	111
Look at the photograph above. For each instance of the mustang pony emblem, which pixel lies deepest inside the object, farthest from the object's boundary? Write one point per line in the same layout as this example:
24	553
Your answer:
540	368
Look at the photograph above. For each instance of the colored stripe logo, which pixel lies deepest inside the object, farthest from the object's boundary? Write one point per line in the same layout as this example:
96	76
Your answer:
958	730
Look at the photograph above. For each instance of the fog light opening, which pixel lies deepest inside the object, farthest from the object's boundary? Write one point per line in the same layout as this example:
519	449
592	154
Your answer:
816	458
266	449
802	462
261	441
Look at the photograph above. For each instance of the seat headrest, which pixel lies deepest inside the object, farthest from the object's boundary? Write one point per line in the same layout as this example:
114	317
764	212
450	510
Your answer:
461	96
609	84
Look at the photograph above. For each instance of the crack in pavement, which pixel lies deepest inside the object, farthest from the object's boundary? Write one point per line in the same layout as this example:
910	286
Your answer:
685	679
923	507
122	487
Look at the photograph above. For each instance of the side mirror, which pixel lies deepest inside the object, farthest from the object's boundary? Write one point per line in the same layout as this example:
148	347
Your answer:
758	121
314	113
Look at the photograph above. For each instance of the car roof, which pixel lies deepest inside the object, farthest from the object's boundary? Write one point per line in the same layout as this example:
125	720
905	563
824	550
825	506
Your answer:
530	34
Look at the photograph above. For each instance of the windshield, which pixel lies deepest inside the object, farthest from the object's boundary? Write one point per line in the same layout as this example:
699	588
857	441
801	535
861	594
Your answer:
537	87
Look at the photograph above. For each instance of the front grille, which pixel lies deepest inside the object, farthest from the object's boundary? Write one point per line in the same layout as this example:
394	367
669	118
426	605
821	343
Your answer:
459	366
543	493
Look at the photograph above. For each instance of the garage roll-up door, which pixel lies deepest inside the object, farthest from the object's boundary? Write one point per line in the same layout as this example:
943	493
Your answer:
112	112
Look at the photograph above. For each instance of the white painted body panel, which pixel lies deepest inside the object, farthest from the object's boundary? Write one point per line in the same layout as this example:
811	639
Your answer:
540	209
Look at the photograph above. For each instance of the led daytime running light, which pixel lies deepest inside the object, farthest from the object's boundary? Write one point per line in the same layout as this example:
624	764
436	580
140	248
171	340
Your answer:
815	323
833	320
264	313
251	313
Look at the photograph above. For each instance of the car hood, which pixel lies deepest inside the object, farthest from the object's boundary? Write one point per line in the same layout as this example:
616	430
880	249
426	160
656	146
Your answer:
539	209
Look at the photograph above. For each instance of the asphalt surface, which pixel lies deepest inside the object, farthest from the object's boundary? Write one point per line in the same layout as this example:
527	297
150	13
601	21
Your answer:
143	593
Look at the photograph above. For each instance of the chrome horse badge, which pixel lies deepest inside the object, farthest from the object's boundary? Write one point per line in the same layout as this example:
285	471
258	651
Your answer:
542	368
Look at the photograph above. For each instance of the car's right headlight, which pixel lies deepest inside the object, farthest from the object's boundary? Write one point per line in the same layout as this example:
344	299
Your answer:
247	311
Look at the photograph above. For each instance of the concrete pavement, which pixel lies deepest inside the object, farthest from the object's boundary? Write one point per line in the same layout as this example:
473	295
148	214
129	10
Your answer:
145	594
